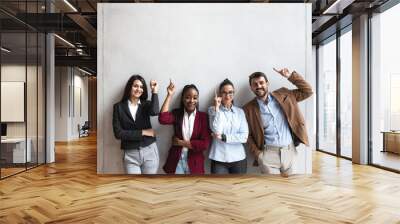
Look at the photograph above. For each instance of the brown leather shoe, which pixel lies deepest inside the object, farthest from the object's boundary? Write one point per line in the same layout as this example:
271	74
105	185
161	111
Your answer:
284	174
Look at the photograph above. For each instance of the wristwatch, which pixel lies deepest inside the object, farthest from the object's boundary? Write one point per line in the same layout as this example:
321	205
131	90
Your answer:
223	137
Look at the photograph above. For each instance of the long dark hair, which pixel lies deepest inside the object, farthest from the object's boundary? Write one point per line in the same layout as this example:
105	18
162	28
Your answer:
186	88
128	88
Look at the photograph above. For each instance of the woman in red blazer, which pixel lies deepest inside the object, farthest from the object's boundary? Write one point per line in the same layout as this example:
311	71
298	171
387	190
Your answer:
191	132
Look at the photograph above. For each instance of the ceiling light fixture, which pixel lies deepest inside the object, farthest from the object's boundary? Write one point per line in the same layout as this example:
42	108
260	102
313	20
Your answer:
70	5
84	71
329	9
65	41
79	51
337	7
5	50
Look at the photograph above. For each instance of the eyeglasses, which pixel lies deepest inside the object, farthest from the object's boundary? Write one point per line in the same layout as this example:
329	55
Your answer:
230	93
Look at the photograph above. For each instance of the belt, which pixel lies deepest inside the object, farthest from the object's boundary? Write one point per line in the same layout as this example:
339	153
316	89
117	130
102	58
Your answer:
278	147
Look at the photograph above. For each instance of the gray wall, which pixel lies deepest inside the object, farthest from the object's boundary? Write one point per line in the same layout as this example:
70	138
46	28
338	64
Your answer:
201	44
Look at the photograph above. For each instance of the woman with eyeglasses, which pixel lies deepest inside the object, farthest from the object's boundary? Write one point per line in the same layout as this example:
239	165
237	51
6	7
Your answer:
191	132
229	130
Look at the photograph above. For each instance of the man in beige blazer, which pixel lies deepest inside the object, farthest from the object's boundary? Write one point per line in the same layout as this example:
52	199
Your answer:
276	125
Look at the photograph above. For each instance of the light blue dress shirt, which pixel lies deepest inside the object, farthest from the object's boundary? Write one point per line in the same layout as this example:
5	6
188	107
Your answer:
276	127
231	122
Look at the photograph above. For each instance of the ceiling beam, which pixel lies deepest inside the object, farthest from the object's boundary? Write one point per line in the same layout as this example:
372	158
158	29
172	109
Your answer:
83	61
84	24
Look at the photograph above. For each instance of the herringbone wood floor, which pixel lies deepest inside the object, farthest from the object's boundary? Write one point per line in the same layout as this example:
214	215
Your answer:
70	191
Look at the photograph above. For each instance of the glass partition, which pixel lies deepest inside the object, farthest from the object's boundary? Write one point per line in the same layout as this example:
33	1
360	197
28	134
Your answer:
22	63
13	103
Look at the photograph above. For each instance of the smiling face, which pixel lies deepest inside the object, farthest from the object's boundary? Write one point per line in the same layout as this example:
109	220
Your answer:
137	89
259	86
190	100
227	92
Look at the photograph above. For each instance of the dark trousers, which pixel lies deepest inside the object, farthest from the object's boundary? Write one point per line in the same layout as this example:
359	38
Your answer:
239	167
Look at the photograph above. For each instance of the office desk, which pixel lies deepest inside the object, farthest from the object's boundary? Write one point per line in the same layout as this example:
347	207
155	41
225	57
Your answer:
13	150
391	141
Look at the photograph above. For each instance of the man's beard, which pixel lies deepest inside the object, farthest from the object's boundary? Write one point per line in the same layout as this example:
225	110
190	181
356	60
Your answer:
260	93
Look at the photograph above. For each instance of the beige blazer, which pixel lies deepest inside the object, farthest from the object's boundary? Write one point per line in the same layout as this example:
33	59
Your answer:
288	100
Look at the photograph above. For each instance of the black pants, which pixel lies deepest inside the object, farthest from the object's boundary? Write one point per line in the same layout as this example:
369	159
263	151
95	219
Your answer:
239	167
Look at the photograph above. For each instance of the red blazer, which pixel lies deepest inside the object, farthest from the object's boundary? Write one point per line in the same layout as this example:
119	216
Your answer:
200	141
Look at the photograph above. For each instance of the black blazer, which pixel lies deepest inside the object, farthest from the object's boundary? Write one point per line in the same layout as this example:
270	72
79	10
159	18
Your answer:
129	130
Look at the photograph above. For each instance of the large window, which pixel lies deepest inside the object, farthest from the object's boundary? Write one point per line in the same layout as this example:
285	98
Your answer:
327	97
346	94
385	88
335	94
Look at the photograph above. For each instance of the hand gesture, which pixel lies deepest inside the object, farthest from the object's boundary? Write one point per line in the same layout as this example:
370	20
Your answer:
154	86
176	141
217	101
216	135
284	72
180	142
171	88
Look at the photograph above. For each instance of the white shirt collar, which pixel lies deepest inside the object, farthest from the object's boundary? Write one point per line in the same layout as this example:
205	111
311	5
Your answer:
193	114
130	103
222	107
269	99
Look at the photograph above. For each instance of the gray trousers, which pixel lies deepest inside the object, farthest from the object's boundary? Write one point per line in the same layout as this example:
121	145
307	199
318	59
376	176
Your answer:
275	160
142	161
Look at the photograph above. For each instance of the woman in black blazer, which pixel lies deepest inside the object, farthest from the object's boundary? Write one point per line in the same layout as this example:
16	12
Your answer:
131	124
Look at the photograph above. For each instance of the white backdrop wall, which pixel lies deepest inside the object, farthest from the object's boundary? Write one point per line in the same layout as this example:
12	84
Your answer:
201	44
